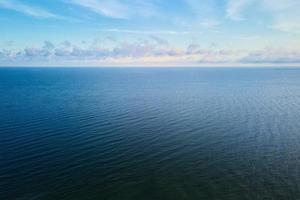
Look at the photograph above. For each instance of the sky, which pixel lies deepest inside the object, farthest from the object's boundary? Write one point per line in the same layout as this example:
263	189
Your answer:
149	32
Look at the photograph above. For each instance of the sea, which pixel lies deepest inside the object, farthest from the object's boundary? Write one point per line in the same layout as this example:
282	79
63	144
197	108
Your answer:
149	133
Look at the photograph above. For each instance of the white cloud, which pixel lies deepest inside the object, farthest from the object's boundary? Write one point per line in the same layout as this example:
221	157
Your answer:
286	25
119	9
148	32
235	8
145	52
109	8
205	13
273	55
285	14
27	9
159	40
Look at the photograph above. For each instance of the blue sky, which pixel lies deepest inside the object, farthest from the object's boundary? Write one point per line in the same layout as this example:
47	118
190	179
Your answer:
149	32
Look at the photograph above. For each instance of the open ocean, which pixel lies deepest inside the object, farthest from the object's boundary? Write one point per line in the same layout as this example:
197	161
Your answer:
149	133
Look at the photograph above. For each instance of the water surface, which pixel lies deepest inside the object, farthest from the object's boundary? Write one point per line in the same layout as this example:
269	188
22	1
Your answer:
143	134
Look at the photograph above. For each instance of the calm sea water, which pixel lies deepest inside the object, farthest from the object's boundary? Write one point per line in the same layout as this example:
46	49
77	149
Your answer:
149	134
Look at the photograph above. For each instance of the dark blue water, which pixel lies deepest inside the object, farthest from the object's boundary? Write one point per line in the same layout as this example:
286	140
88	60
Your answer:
135	134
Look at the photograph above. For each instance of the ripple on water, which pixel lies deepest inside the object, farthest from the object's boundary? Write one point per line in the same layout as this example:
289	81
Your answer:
150	134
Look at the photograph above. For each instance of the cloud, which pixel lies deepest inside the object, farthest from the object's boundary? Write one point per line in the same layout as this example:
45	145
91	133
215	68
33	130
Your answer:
271	55
118	9
48	45
111	8
159	40
285	14
8	43
193	49
148	32
27	9
287	26
45	51
235	8
66	43
145	52
156	49
205	13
